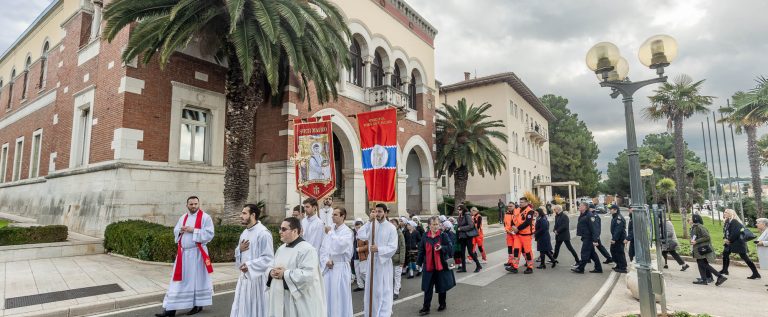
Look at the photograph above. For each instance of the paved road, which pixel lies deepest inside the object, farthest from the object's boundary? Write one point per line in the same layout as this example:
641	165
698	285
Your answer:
492	292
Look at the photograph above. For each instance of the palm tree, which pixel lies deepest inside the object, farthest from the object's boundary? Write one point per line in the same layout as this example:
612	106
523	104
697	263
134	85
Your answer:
762	148
264	44
666	186
676	102
465	146
748	112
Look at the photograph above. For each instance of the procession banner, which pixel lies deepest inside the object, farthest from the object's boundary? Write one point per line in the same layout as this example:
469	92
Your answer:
313	154
378	140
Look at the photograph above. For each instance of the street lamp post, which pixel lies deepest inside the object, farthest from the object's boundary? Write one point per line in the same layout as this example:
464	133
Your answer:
604	59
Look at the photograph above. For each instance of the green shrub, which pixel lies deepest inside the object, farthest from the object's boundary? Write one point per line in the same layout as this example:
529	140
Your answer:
29	235
154	242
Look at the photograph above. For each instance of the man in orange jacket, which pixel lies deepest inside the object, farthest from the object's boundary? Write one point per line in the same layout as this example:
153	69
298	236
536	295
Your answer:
523	222
509	227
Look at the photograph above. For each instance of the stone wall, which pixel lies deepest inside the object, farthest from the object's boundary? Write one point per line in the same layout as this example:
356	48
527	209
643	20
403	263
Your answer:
88	200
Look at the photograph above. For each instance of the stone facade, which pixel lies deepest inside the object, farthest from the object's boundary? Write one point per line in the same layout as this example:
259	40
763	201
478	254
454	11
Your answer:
109	143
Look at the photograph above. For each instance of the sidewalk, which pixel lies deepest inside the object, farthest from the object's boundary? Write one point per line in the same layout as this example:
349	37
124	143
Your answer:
736	297
142	283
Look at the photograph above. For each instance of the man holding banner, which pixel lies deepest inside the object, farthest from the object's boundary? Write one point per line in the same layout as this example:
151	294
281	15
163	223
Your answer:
379	290
378	140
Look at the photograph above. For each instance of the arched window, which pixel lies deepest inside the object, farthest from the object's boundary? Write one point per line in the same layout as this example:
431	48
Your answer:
25	83
412	92
10	88
396	80
377	72
43	66
356	69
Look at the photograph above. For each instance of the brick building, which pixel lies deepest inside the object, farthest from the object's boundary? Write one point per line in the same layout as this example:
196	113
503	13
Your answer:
88	140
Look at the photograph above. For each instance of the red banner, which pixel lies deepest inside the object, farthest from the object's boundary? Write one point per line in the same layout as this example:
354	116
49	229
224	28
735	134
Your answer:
313	157
378	140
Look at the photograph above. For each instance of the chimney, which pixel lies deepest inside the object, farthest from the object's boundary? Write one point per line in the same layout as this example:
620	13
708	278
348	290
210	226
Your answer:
466	75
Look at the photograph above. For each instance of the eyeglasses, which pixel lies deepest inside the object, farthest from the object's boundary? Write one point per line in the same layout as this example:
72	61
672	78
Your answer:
284	229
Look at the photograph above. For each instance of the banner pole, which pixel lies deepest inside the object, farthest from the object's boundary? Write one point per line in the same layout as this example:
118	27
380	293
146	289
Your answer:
371	259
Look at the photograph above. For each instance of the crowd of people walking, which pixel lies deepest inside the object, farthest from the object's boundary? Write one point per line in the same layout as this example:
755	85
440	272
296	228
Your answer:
321	258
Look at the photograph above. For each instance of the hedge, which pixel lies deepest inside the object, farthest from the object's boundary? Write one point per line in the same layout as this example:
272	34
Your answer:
447	207
154	242
36	234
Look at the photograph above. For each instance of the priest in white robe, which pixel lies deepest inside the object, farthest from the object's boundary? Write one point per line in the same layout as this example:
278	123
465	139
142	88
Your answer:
313	228
380	251
253	256
295	284
334	260
191	285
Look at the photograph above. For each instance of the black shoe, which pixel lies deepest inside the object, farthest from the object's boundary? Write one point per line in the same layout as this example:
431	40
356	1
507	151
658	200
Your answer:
396	296
357	289
723	272
721	280
577	271
710	280
554	264
441	308
418	273
608	261
423	312
409	277
528	271
700	282
511	270
665	266
617	270
166	313
195	310
461	271
754	277
478	268
543	267
596	271
685	267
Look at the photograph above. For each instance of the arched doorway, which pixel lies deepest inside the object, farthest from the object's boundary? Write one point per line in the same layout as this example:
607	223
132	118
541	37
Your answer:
417	187
413	183
338	158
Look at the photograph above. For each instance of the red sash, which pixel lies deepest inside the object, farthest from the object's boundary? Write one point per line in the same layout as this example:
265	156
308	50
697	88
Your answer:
206	259
434	263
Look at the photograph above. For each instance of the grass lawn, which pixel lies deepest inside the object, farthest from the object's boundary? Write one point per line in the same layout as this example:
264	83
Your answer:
716	233
3	223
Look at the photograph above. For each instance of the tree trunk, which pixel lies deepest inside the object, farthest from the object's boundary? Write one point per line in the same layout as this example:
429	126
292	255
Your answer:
754	168
461	176
680	173
242	101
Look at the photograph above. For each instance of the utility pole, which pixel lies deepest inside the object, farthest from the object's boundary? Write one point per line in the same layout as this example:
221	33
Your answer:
713	204
727	162
717	145
706	163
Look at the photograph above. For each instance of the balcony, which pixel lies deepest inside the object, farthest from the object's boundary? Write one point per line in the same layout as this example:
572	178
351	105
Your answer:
536	134
387	96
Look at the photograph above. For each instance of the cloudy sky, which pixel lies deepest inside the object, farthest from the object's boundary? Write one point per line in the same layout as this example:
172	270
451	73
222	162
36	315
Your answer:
544	43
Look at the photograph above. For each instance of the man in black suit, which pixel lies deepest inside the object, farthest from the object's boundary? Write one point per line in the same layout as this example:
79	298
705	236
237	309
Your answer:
563	232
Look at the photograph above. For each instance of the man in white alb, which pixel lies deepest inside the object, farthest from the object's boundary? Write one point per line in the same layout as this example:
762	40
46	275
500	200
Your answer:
334	263
295	284
253	256
191	285
380	251
313	228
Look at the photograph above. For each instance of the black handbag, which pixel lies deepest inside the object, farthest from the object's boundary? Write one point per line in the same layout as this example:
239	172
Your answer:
704	249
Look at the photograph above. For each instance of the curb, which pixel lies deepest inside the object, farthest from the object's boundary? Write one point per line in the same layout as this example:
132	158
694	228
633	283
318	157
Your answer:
117	304
597	301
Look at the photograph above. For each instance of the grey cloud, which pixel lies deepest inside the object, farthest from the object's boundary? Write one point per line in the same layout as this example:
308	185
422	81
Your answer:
544	42
16	16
